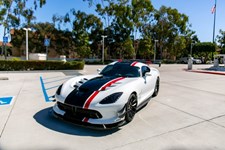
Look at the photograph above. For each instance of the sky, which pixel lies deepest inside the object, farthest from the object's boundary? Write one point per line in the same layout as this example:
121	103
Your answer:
198	11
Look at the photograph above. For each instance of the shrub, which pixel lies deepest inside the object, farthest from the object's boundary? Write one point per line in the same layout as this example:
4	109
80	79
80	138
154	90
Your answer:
10	65
15	59
168	61
98	62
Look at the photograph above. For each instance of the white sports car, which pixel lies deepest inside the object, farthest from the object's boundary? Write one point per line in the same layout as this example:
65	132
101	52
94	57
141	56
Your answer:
108	99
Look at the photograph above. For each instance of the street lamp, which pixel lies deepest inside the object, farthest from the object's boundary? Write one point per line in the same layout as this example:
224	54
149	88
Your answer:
155	49
27	29
103	42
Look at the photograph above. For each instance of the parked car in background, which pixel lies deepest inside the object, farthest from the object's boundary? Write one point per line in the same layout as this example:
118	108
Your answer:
185	60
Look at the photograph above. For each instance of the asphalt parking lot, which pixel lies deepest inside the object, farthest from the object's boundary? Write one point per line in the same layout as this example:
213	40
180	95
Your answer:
188	114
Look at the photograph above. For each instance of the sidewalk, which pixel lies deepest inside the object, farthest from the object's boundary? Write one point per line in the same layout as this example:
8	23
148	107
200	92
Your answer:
208	70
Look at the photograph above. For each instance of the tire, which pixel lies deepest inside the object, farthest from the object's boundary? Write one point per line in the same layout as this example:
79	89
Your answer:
131	108
156	90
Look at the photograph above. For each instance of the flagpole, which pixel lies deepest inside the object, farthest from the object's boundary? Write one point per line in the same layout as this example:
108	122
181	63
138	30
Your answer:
214	24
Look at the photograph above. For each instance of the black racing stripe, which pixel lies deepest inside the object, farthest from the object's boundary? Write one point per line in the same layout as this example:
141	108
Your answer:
79	96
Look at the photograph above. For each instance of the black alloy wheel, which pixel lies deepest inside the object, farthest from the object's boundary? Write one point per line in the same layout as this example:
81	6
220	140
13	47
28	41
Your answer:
131	108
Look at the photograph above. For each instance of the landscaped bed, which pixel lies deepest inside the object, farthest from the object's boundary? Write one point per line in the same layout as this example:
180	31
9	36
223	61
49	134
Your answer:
10	65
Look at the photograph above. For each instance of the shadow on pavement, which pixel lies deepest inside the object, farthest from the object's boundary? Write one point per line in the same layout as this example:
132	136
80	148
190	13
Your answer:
44	118
71	72
185	148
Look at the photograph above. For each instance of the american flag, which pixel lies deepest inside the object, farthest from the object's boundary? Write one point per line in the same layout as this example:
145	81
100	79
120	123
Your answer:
213	9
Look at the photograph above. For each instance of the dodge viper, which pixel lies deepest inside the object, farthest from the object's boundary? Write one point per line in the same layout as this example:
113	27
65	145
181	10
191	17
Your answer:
108	99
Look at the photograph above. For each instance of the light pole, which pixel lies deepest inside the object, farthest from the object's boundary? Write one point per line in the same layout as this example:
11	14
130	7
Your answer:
214	22
27	29
103	42
191	49
155	49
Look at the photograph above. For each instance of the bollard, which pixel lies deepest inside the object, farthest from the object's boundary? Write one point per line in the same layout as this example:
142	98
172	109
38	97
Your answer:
63	58
216	62
224	60
190	62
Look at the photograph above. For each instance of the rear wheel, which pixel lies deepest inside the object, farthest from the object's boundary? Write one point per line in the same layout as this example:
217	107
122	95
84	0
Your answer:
156	90
131	108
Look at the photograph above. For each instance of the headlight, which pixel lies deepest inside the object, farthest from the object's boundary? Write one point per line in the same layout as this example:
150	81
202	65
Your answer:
59	90
111	98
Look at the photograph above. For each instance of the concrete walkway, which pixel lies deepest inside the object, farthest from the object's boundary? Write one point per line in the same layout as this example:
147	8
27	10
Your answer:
188	114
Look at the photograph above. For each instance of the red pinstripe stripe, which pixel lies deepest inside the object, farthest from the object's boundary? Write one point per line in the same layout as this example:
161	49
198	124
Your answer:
88	102
85	120
108	84
134	63
95	93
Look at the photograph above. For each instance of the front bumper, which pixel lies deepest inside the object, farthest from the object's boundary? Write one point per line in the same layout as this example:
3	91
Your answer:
95	119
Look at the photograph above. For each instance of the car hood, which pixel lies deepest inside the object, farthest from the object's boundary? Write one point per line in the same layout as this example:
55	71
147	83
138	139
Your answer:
78	90
96	83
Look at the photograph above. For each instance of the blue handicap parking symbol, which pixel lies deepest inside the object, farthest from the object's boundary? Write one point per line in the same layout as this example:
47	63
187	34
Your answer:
5	100
47	42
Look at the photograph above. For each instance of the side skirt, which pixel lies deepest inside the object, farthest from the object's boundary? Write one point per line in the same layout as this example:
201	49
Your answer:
143	104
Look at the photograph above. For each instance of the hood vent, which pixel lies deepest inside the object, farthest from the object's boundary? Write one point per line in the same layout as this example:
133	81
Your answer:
79	83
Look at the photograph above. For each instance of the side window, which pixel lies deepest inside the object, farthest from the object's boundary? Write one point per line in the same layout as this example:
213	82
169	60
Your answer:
144	69
107	69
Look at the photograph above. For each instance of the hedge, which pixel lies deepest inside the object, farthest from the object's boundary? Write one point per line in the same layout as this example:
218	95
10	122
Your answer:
9	65
98	62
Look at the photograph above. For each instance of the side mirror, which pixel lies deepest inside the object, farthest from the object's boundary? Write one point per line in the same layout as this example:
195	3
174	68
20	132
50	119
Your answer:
99	70
148	74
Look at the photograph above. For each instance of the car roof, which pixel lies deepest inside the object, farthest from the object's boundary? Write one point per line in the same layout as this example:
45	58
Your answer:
128	63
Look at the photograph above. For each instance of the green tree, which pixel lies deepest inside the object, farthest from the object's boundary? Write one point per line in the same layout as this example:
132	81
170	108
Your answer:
61	41
95	32
167	27
123	19
145	48
128	49
190	39
178	47
204	49
40	32
221	41
86	31
17	40
12	13
142	12
36	37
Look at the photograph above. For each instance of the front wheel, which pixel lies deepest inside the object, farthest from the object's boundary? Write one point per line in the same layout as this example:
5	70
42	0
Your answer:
131	108
156	90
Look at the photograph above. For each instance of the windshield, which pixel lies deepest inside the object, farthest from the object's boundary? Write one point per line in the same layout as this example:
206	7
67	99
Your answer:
121	70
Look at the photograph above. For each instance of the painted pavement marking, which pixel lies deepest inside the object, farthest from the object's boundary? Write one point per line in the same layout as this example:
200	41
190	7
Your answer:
6	100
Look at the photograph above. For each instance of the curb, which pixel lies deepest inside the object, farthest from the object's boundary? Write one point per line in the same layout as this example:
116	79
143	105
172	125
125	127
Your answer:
207	72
